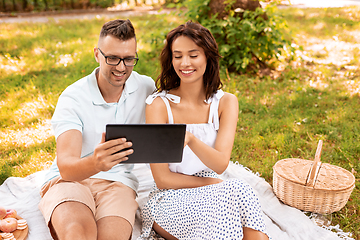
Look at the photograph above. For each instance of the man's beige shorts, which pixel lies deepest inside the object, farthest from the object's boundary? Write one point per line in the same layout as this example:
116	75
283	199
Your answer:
104	198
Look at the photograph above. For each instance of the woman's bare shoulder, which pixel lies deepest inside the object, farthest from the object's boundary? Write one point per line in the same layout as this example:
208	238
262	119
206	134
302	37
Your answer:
228	98
228	103
156	111
156	102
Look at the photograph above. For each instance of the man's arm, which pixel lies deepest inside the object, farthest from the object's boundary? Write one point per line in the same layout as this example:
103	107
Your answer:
74	168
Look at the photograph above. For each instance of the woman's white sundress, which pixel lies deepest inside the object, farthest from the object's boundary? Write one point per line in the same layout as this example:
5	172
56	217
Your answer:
218	211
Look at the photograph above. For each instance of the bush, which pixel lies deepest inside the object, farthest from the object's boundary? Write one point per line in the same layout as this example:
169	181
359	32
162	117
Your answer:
248	40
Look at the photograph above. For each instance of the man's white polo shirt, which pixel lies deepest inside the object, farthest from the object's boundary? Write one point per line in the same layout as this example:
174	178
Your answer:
82	107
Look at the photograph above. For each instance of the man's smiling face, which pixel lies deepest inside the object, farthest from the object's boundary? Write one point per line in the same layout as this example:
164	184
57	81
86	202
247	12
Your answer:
113	47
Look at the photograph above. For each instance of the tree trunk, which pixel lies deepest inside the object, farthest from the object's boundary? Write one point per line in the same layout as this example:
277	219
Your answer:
55	3
14	5
25	5
46	5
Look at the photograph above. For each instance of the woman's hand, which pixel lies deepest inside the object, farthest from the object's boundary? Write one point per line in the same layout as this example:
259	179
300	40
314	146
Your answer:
188	137
215	181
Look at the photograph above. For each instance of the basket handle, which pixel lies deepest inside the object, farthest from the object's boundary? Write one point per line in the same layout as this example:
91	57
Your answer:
311	177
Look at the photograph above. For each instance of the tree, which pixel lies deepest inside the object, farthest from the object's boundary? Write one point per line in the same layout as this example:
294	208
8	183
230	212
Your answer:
249	37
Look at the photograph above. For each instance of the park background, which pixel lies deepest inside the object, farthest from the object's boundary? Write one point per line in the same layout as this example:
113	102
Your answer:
294	70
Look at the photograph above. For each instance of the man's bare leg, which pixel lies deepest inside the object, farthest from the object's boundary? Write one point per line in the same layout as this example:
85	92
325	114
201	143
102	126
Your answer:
74	220
111	228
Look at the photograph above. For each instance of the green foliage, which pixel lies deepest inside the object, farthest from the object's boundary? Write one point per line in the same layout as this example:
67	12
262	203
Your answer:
247	39
197	10
102	3
156	38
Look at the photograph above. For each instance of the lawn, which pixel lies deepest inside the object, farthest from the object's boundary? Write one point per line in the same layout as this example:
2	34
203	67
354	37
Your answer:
282	114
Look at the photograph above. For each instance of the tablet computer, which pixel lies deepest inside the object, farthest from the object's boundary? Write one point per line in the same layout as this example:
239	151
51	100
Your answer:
152	143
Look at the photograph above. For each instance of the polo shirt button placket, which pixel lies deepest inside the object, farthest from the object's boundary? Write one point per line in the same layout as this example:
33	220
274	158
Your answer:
121	109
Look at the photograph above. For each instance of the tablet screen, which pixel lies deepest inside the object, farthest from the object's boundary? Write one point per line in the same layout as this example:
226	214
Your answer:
152	143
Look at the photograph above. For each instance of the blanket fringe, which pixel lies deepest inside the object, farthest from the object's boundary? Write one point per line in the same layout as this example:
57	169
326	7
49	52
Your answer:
324	222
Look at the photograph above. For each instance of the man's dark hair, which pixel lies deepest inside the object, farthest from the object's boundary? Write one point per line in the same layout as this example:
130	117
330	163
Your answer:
121	29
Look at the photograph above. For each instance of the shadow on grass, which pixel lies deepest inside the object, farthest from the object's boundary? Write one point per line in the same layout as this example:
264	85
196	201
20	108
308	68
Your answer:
32	35
20	161
48	83
322	22
16	90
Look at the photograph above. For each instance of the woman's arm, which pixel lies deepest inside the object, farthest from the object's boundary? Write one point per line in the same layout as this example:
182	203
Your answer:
164	178
217	158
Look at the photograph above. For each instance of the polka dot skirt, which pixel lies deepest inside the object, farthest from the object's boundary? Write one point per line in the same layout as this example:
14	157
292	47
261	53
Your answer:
217	211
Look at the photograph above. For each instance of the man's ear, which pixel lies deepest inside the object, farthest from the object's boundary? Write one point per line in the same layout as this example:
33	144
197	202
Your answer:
96	54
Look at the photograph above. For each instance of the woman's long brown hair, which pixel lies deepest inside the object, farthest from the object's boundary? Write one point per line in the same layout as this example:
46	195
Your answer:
168	79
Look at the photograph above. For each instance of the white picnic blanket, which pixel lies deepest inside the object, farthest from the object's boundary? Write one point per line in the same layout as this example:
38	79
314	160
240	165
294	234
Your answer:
283	222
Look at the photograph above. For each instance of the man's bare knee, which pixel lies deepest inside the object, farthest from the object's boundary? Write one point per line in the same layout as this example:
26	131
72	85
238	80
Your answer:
73	220
114	228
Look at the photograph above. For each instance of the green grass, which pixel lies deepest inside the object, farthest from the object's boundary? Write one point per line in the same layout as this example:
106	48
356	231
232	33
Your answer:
282	115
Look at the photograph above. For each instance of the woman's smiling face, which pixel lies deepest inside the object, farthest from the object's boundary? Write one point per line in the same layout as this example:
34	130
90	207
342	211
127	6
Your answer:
188	59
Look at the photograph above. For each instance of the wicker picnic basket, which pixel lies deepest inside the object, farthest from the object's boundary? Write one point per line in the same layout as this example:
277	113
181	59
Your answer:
311	185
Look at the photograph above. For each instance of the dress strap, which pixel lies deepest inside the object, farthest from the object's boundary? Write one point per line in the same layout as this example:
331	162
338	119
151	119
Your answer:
168	108
214	108
165	97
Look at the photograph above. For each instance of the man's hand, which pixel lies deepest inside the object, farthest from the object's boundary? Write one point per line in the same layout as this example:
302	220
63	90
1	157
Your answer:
108	154
73	167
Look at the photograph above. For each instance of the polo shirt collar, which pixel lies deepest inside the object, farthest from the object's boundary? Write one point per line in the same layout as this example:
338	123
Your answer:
131	86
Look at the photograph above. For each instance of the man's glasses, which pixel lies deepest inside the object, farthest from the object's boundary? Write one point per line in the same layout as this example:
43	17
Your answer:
114	61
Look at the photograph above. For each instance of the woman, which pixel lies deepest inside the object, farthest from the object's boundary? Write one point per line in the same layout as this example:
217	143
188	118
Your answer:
189	200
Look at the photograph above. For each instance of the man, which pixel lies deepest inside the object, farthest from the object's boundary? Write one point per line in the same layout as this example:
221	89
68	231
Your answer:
90	195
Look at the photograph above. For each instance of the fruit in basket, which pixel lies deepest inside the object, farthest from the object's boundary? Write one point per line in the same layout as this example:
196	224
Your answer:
11	213
8	225
2	212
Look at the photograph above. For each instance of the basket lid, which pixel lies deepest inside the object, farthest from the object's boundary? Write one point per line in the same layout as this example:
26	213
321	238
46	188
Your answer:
330	177
293	169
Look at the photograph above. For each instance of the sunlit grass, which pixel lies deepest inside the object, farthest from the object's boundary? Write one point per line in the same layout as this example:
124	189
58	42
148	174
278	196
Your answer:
282	115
